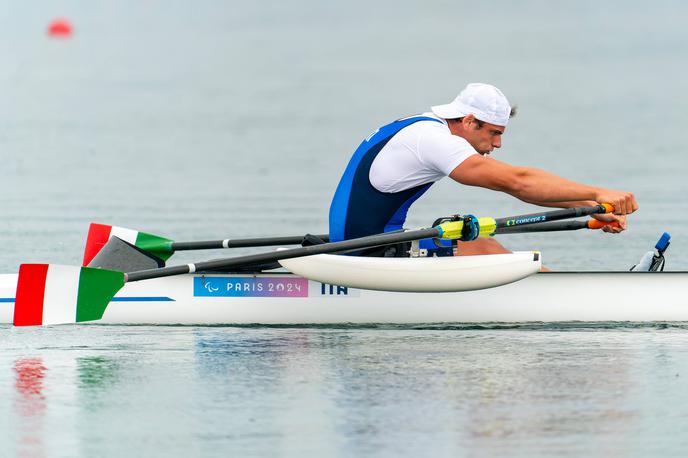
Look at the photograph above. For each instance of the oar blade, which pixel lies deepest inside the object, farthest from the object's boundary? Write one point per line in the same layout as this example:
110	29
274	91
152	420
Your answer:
124	257
99	234
56	294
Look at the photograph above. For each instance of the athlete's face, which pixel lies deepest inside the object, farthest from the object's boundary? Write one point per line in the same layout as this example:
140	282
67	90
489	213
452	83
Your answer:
482	136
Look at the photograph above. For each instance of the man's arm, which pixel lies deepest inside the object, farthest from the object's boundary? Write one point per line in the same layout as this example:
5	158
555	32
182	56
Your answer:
563	204
535	185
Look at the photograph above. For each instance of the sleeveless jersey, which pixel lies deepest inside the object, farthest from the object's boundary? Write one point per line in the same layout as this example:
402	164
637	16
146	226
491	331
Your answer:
358	209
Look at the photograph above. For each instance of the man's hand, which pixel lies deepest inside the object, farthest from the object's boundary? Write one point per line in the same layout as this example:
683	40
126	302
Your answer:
620	221
623	202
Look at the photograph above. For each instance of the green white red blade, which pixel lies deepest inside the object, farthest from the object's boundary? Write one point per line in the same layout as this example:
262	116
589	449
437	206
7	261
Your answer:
99	234
56	294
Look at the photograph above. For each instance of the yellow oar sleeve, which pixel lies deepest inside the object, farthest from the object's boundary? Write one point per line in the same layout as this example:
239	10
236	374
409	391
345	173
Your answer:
488	226
452	229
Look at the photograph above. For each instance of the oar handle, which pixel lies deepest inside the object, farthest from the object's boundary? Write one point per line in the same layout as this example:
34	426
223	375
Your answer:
346	245
243	243
596	224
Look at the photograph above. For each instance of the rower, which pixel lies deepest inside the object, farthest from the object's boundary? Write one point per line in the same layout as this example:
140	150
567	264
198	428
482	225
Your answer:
397	163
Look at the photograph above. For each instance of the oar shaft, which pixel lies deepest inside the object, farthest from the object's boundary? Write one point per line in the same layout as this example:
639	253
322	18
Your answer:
228	263
544	227
554	215
242	243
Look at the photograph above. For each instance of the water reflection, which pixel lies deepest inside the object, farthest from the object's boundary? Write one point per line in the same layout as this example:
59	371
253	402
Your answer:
467	389
275	383
98	402
239	351
97	372
30	406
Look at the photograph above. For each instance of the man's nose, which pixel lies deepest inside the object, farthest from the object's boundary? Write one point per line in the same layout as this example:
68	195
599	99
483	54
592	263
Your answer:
497	142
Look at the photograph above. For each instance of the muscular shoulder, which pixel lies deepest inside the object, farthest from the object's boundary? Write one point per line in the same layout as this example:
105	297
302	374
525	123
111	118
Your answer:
430	139
423	152
426	128
439	149
438	139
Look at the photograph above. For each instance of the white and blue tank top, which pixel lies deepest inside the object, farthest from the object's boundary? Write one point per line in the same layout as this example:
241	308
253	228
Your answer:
358	209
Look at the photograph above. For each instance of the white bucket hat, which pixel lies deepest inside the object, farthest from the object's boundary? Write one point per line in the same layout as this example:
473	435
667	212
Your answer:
484	101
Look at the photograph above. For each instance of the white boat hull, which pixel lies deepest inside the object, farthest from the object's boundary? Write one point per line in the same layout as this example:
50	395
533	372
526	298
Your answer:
288	299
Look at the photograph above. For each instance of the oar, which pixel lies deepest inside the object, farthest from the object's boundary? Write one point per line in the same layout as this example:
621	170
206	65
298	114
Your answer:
553	215
56	294
557	226
163	248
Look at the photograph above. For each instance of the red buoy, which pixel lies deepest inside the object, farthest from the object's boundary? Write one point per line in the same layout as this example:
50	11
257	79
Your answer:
60	28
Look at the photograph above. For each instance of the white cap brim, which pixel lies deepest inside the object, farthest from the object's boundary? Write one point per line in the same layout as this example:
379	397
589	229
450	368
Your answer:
447	111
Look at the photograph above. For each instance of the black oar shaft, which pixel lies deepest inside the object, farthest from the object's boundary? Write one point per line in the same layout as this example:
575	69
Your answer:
554	215
228	263
242	243
544	227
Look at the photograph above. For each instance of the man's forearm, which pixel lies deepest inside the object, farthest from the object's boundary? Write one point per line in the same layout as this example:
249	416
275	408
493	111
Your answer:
563	204
543	188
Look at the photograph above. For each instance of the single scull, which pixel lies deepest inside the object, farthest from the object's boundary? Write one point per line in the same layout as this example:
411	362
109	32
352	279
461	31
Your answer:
282	298
321	286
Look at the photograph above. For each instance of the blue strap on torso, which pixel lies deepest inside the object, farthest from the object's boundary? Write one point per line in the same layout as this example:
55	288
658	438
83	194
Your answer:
358	209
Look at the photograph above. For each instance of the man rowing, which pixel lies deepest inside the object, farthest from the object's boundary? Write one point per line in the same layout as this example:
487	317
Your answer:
398	162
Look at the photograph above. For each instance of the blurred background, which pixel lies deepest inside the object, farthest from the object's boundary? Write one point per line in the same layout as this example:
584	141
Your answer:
218	119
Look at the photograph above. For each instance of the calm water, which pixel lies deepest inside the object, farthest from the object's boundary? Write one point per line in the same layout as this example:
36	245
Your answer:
224	119
569	391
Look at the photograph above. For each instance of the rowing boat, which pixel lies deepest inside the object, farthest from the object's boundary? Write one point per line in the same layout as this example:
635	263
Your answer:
284	298
319	286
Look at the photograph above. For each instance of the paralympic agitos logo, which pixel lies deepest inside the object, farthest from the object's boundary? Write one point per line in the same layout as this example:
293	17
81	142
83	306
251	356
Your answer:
532	219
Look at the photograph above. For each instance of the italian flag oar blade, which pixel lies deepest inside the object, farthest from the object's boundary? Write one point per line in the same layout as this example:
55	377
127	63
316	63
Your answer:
56	294
99	234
